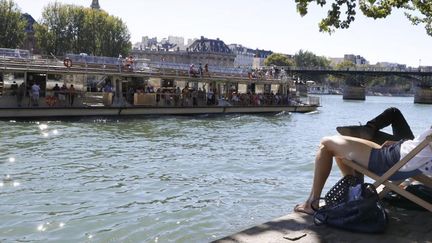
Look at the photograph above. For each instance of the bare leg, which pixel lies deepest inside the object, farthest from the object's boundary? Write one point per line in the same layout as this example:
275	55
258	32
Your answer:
339	147
346	170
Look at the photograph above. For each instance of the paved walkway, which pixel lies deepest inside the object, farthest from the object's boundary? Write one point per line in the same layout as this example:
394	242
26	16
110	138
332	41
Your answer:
404	226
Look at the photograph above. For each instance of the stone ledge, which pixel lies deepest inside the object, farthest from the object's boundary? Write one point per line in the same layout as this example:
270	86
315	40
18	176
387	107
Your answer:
404	226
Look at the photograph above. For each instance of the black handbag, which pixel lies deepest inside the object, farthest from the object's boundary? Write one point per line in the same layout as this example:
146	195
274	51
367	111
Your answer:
356	207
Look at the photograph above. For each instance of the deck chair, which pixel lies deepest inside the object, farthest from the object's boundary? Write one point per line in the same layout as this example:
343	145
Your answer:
387	185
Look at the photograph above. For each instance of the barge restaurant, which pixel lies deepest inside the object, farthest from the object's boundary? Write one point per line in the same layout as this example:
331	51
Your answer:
83	86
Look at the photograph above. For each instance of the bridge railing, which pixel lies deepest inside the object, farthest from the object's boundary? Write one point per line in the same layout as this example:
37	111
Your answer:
365	69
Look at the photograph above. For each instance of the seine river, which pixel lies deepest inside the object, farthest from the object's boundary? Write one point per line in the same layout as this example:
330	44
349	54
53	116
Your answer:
167	179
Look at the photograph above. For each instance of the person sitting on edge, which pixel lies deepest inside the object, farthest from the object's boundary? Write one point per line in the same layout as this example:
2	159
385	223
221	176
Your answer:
377	158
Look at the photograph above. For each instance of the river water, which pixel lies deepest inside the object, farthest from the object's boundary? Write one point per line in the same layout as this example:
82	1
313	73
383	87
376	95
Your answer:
167	179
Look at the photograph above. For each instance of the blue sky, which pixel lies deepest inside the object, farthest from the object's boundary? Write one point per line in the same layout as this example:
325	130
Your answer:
271	24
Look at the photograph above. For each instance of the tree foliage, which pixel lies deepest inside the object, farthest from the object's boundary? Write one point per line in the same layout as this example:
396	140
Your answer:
342	12
12	25
344	65
309	59
68	28
278	60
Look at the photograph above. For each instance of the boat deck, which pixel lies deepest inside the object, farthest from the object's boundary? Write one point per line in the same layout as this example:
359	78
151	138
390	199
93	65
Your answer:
69	112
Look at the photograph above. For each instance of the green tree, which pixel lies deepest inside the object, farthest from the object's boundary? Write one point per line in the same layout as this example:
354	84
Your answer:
344	65
12	25
309	59
342	12
278	60
68	28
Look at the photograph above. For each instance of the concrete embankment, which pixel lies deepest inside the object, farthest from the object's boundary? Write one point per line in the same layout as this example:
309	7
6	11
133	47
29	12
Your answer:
404	226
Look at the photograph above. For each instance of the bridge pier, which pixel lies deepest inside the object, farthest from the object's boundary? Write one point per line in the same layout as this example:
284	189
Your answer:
354	93
423	95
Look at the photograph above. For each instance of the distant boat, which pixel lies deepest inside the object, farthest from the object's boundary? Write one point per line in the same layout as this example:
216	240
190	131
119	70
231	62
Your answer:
321	89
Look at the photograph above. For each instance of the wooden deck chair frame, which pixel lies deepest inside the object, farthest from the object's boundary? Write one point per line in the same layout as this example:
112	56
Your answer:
394	185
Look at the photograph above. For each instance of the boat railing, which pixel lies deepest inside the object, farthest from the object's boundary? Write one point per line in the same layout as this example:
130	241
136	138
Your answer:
176	69
311	100
90	64
14	53
201	99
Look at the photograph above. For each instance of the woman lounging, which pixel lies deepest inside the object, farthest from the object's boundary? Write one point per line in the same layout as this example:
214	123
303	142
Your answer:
377	158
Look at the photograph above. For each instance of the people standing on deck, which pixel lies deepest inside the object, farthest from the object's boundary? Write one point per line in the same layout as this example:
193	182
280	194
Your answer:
130	95
56	90
200	70
71	94
192	71
210	96
35	90
194	95
129	63
158	96
108	88
20	93
119	62
250	71
206	69
14	88
185	95
177	96
62	93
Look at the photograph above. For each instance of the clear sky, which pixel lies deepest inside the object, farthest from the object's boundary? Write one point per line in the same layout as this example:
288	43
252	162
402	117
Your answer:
266	24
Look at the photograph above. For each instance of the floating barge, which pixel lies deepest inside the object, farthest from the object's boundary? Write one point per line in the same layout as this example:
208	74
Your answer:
110	87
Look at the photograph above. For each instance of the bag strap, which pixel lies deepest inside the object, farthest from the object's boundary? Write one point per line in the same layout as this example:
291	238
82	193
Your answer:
318	222
316	201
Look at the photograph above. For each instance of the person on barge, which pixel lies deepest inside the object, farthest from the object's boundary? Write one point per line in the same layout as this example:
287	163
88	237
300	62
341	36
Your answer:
377	158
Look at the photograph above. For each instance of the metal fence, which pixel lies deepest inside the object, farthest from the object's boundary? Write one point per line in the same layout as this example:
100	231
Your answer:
14	53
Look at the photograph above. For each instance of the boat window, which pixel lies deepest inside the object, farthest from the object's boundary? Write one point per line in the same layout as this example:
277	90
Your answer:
54	79
79	81
274	88
9	83
259	89
242	88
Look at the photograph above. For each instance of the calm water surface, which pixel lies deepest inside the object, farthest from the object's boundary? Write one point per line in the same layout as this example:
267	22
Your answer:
168	179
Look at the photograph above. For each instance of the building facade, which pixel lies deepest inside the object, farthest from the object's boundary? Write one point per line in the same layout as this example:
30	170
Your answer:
247	57
213	52
356	59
